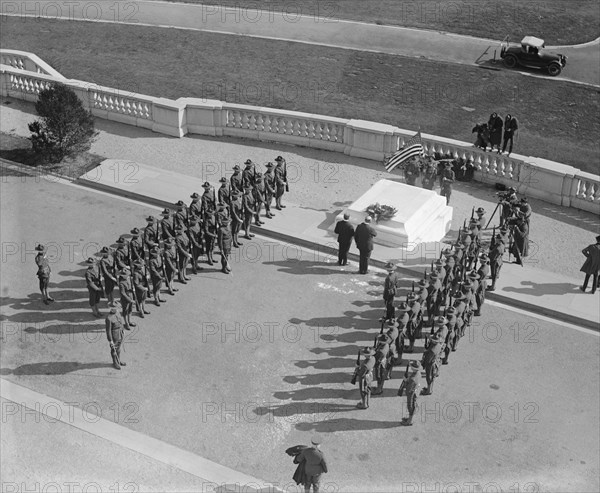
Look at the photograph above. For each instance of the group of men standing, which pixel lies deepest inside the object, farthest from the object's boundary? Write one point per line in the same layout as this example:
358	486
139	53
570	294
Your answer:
166	247
441	306
428	171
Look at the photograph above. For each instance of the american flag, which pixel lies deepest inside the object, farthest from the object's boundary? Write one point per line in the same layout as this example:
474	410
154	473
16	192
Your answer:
413	147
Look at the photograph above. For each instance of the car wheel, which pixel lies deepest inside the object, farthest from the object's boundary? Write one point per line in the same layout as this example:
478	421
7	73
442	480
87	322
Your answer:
510	61
554	69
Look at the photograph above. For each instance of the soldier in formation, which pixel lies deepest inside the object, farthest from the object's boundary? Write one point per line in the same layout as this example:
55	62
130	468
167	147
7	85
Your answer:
43	272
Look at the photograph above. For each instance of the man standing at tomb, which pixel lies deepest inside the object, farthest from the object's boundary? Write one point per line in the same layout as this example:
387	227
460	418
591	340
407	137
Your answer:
363	236
114	334
345	232
591	266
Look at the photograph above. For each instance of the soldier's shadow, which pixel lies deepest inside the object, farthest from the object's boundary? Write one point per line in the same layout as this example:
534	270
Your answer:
303	408
316	393
304	267
319	378
346	424
52	368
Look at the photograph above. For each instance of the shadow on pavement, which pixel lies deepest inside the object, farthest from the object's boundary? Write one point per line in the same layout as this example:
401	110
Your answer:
538	289
347	424
52	368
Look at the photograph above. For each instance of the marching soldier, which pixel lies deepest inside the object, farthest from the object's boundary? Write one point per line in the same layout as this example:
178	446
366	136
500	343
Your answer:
237	217
127	296
448	178
121	255
182	243
396	343
411	385
248	174
389	291
432	296
474	278
43	273
495	256
210	234
415	314
180	217
249	204
209	204
140	284
170	264
381	362
195	206
452	337
151	234
430	362
114	334
225	240
157	275
107	270
136	246
270	189
195	234
364	374
406	329
460	310
94	285
222	214
280	174
167	229
235	182
223	196
259	197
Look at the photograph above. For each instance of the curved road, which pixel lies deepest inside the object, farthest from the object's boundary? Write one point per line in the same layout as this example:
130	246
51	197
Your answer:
582	67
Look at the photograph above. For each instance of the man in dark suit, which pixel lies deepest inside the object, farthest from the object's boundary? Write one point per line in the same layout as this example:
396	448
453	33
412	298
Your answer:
591	265
345	232
314	465
363	236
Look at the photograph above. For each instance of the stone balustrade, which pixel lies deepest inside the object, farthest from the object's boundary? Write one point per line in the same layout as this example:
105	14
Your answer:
23	76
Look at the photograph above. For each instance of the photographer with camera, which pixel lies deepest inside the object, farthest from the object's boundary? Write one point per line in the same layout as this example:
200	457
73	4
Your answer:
519	231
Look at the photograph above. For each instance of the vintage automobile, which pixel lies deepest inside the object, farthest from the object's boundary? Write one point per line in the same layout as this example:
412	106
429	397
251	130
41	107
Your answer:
532	53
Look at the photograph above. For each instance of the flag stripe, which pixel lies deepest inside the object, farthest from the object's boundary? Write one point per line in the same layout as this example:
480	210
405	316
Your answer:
414	147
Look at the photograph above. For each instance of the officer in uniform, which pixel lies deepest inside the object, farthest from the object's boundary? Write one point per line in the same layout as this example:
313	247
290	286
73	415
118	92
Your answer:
381	362
167	229
452	337
182	243
248	174
210	234
235	182
259	197
195	206
270	189
364	374
411	385
170	262
222	214
157	274
180	217
94	285
430	362
107	270
140	284
237	217
280	182
195	235
151	235
448	178
390	286
209	203
43	272
405	328
114	334
223	192
121	255
314	465
396	345
127	296
136	246
249	204
433	291
225	239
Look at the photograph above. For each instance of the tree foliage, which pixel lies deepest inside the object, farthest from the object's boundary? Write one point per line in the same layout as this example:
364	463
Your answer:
65	127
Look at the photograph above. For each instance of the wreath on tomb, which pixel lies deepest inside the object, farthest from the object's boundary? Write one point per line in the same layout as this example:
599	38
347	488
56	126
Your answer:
381	212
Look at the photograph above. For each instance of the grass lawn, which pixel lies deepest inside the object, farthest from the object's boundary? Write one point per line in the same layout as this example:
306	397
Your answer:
558	120
557	21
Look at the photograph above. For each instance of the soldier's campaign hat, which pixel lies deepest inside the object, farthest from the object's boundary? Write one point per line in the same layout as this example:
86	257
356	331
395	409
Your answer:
315	440
135	232
195	195
223	180
193	220
467	285
236	168
422	283
433	276
206	185
390	266
90	260
480	210
499	238
439	262
105	251
179	228
459	296
235	194
436	339
447	252
440	320
248	162
403	307
154	250
382	338
269	165
169	241
450	310
483	257
120	240
412	296
138	263
258	175
165	212
392	322
40	248
368	351
150	219
473	275
278	159
415	365
125	270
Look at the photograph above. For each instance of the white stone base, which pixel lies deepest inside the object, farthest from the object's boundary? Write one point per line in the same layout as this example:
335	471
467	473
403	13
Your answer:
422	216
